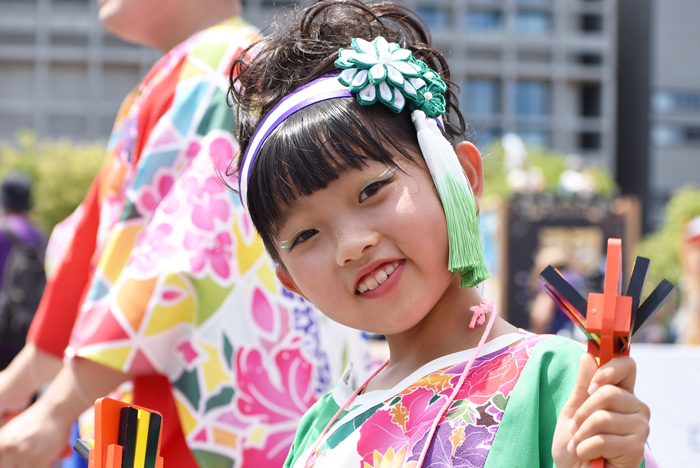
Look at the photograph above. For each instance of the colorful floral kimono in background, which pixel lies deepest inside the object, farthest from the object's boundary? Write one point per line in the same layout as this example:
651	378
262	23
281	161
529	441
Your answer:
504	415
173	285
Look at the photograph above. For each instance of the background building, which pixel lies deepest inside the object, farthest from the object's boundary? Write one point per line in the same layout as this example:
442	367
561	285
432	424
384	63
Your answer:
542	68
60	73
545	69
675	100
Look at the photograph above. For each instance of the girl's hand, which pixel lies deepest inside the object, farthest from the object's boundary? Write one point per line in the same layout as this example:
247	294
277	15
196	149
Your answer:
34	439
602	418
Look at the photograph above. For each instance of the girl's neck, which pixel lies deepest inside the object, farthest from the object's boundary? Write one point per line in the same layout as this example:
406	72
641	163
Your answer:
444	330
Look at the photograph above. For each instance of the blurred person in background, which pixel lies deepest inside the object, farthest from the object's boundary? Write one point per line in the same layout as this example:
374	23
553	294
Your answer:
163	280
546	317
22	276
687	320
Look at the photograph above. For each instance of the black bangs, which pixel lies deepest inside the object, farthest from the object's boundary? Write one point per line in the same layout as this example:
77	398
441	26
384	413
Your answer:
314	146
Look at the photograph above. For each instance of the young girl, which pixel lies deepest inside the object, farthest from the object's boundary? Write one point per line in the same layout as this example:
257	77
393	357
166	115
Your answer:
370	216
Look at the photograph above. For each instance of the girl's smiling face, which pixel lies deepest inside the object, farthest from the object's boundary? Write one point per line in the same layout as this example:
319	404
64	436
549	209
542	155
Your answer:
370	250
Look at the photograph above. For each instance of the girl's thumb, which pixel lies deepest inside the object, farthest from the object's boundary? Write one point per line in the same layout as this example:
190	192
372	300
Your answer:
586	369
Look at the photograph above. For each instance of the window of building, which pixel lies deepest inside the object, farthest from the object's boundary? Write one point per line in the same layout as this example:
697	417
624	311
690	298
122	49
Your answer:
483	20
534	23
17	80
68	39
589	140
667	134
17	38
534	137
535	56
590	99
11	123
481	97
532	98
589	58
435	17
669	101
534	2
118	80
591	22
485	55
66	125
68	81
113	42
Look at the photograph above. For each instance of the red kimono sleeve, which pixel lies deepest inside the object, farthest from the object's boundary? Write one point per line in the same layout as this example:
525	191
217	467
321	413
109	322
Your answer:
54	319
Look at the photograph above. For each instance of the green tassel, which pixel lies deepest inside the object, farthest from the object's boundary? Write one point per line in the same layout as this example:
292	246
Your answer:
466	256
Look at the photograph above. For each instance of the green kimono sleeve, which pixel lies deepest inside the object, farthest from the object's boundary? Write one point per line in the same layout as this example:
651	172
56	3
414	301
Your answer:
525	435
311	426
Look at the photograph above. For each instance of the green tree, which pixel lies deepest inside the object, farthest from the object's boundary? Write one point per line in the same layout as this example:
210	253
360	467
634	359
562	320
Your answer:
551	163
663	247
62	172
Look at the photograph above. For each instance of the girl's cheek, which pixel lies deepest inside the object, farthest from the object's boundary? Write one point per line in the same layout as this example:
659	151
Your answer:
405	205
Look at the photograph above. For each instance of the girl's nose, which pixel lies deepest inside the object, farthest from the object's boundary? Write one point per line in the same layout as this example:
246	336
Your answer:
353	243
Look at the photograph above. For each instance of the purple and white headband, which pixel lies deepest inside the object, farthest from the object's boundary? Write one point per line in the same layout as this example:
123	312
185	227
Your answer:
321	89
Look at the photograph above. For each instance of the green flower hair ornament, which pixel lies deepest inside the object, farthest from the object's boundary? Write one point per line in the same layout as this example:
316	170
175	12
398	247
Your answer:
383	71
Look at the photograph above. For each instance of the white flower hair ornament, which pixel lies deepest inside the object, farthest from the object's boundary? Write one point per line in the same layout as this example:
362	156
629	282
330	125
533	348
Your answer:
380	71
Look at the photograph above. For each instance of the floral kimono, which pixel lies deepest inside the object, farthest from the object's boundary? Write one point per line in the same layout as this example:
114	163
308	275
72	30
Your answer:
173	285
504	415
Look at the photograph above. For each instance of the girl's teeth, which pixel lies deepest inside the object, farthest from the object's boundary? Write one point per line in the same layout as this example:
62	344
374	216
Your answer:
379	278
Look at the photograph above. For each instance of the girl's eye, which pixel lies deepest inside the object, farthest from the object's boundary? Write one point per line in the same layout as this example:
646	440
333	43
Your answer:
372	188
302	237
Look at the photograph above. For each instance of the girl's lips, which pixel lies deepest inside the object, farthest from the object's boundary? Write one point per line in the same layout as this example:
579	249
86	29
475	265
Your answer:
387	286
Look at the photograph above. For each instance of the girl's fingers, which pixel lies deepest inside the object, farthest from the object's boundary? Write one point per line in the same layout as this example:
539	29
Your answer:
620	371
612	399
586	371
616	449
608	423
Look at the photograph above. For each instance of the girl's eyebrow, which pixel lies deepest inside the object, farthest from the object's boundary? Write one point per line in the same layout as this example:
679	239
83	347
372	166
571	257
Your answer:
284	217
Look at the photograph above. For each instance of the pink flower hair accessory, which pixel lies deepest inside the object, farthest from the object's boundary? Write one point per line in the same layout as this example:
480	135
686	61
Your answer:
480	310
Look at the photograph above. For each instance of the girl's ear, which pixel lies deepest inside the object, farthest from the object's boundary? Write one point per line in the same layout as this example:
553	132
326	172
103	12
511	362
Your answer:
470	159
287	281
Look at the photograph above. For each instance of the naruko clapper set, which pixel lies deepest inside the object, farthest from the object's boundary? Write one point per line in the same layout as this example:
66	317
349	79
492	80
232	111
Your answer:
609	320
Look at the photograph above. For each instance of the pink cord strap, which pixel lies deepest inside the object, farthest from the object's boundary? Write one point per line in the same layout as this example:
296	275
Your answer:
480	311
319	441
483	307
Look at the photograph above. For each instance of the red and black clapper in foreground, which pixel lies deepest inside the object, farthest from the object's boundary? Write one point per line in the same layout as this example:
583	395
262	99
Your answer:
126	436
